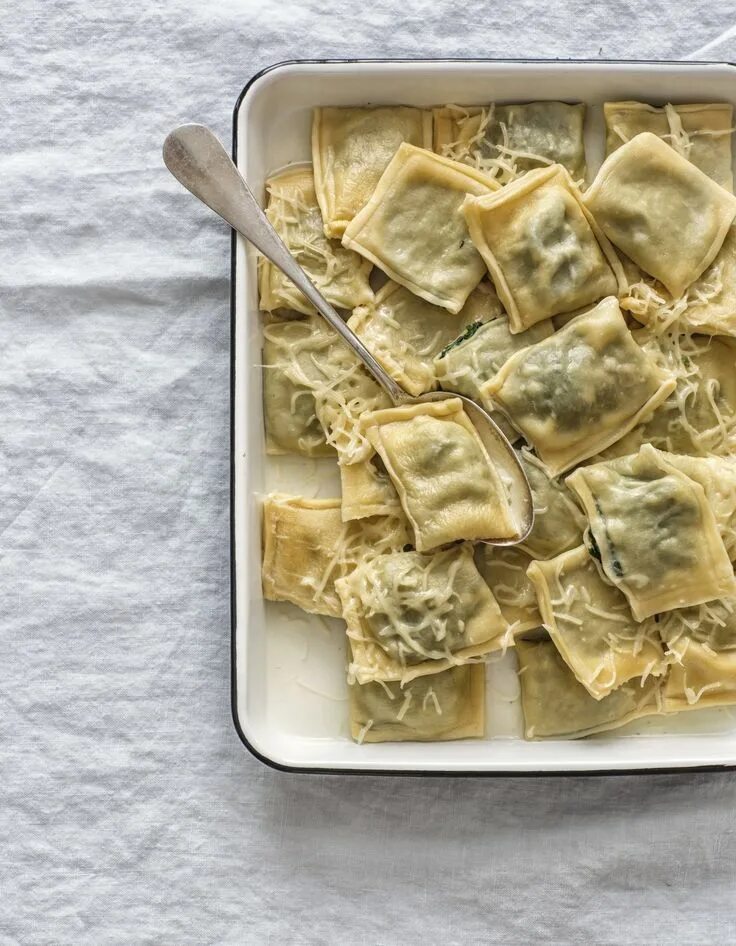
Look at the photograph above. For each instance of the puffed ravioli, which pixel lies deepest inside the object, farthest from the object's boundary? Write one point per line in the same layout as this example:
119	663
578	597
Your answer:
591	624
544	251
702	647
578	391
405	332
307	546
508	140
448	486
655	532
410	614
447	705
556	705
660	210
700	133
414	230
339	274
351	148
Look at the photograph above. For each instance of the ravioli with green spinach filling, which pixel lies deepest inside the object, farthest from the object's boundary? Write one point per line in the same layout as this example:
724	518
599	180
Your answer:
475	356
447	705
655	532
557	706
410	614
580	390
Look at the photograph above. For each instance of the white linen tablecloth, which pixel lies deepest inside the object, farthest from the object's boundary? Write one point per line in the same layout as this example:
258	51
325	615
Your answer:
130	811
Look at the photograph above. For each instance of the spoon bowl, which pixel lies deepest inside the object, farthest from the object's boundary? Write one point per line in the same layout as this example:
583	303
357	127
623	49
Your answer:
198	160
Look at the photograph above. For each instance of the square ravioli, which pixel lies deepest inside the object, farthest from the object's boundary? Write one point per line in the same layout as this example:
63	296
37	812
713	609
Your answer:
557	706
409	615
700	133
661	211
543	249
307	547
505	141
339	274
414	230
578	391
654	532
405	332
702	649
592	626
351	148
313	382
447	705
448	486
292	352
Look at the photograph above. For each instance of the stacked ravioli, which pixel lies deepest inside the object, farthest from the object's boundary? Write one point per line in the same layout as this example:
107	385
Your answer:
595	320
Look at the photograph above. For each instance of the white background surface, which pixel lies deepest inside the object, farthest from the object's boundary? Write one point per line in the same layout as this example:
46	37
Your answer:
130	812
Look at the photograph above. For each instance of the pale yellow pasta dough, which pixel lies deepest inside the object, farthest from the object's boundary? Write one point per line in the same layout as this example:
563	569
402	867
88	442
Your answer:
702	646
448	486
447	705
543	249
351	148
557	706
699	416
307	546
578	391
558	520
339	274
700	133
661	211
475	356
591	624
655	532
405	332
410	614
505	141
367	490
505	572
717	476
414	230
292	351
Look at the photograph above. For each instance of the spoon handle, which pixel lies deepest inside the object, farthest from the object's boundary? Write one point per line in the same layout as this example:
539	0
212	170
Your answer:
198	160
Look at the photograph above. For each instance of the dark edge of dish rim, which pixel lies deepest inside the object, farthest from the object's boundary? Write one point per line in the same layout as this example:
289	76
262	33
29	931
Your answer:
414	773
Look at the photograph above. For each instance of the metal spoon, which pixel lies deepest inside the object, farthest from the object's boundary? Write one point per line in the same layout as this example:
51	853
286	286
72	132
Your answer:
198	160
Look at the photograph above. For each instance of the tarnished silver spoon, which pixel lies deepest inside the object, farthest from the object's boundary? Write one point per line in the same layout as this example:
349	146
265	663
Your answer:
197	159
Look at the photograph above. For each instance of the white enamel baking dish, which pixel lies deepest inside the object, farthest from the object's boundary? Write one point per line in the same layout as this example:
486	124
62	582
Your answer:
289	694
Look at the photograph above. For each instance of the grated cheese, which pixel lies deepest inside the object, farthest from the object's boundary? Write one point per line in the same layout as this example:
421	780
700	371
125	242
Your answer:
364	732
431	695
404	706
497	160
